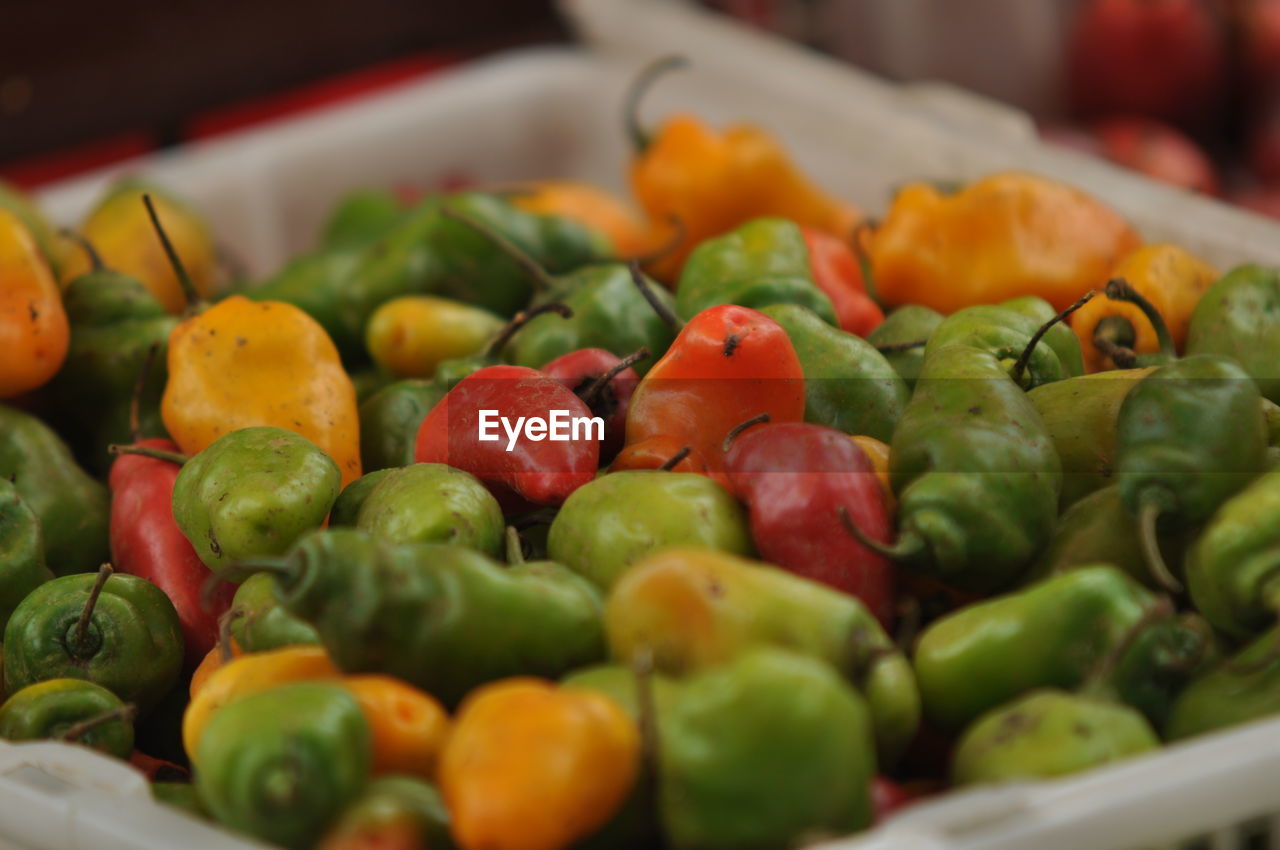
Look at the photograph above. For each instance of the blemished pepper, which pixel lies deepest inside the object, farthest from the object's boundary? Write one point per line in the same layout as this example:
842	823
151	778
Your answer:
360	217
432	503
73	508
1239	317
1005	330
1049	733
1239	689
619	518
410	335
260	622
22	565
1006	235
605	383
903	335
838	273
253	492
118	631
763	750
393	813
799	482
69	710
531	766
34	333
389	421
1170	278
282	764
849	386
692	608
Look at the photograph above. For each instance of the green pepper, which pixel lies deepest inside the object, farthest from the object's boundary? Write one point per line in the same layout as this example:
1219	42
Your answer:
119	631
22	566
1239	318
361	217
1005	330
614	521
763	262
848	385
253	491
902	337
69	710
1240	689
761	751
281	765
393	811
314	283
261	623
180	795
433	503
1049	733
73	508
389	421
347	506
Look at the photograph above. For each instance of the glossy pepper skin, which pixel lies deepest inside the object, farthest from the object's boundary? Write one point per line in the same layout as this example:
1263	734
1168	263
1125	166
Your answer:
49	709
619	518
34	332
966	420
1241	688
1238	318
410	335
836	272
579	370
1005	330
432	503
907	324
1006	235
253	492
280	765
795	479
147	542
849	386
695	608
261	623
389	421
763	750
72	507
413	610
22	565
132	645
393	813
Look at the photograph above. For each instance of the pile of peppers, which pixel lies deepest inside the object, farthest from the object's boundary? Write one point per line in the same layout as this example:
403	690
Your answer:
846	513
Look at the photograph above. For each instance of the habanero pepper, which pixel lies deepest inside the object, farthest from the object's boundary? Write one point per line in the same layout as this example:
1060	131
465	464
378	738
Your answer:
902	337
393	813
1006	331
605	383
432	503
389	421
34	332
1239	317
259	622
69	710
22	565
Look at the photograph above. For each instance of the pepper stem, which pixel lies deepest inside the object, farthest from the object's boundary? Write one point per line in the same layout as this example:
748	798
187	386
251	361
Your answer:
895	347
184	279
135	400
1163	609
542	279
664	312
1119	289
1122	355
639	136
519	320
224	632
864	261
908	544
147	451
1025	357
1148	515
515	550
642	669
95	259
758	419
76	731
674	461
591	394
86	613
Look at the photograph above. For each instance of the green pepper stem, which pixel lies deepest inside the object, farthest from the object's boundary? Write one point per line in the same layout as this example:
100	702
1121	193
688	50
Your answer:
86	613
644	81
674	461
515	550
1162	610
864	261
908	544
542	279
135	400
591	394
519	320
95	259
664	312
1148	515
147	451
758	419
184	279
896	347
1119	289
1025	357
76	731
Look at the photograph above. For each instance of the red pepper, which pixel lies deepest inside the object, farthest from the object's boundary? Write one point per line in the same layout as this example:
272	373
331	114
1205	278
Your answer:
605	383
795	478
146	542
536	470
837	273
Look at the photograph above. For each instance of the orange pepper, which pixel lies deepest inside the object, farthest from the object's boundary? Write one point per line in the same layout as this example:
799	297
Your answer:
1170	278
213	661
409	726
34	333
531	766
589	205
1004	236
878	453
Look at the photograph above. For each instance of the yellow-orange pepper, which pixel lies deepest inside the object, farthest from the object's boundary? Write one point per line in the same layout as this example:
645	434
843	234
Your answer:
1004	236
589	205
409	726
1170	278
214	660
878	453
409	336
530	766
34	333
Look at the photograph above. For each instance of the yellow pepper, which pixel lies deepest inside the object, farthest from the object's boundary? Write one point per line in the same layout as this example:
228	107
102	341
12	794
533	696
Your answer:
878	453
34	333
409	726
409	336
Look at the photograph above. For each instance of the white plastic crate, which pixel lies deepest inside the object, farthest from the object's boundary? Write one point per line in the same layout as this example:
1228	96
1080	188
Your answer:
555	112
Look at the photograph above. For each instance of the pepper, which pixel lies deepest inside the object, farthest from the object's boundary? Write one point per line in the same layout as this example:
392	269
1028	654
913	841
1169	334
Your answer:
1006	331
15	201
315	283
694	608
1170	278
393	813
22	564
878	453
69	710
591	206
530	766
280	765
1238	690
351	499
147	542
408	336
837	272
432	503
1238	318
389	421
849	386
408	727
1006	235
360	217
901	338
619	518
799	482
72	507
260	623
1049	733
33	324
180	795
605	383
253	492
117	631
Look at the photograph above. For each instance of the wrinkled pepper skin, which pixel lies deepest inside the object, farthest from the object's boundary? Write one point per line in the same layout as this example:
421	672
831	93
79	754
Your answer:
763	262
393	813
132	646
1239	317
413	611
280	765
389	421
1049	733
48	709
73	508
695	608
619	518
34	333
971	528
848	385
261	623
433	503
1004	236
1240	689
907	324
762	751
410	335
22	565
253	492
1004	330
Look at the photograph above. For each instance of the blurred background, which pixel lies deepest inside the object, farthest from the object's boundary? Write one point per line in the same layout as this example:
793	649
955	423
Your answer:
1187	91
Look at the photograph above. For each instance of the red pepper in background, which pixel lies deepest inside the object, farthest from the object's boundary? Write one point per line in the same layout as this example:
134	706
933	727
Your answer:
837	273
146	542
795	478
584	371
